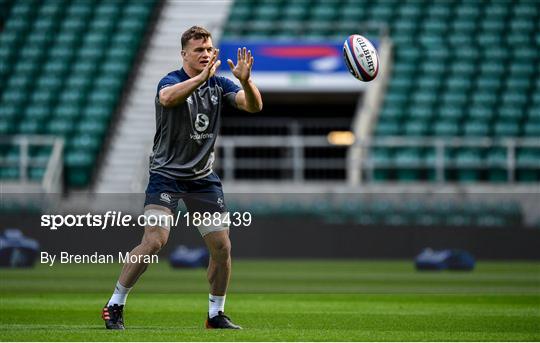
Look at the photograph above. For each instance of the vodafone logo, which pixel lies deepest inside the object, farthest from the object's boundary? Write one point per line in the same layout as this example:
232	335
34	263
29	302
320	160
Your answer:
201	122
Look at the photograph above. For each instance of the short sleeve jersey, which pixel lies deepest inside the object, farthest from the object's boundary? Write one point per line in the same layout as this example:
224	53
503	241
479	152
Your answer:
186	133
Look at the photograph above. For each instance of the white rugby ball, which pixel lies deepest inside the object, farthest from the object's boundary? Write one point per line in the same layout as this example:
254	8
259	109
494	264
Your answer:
361	58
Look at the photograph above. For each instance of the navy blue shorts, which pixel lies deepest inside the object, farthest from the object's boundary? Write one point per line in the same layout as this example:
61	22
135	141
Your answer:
202	195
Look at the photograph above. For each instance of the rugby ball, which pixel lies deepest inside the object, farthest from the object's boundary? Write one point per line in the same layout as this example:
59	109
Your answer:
361	58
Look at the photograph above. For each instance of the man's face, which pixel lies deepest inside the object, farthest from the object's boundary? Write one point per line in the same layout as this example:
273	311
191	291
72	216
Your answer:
197	53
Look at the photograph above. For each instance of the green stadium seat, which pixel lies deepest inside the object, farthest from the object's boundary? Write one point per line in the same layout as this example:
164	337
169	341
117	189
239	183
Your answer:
324	12
296	10
67	39
497	10
36	173
16	24
462	67
528	165
485	99
464	25
496	161
130	25
425	94
455	98
82	83
481	112
61	53
102	25
9	173
101	97
416	128
9	112
13	97
84	68
51	9
91	127
37	112
80	10
75	25
517	84
67	112
514	99
30	127
451	112
518	38
421	112
395	113
45	25
445	128
456	83
468	161
43	97
476	128
510	112
428	85
488	83
525	9
404	70
396	99
78	165
388	128
6	126
532	129
506	129
137	10
59	127
100	112
521	70
381	12
55	67
492	26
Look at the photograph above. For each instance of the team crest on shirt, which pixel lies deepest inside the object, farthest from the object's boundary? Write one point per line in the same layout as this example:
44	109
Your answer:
214	99
189	100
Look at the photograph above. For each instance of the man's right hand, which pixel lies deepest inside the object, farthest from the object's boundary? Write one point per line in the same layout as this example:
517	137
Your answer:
211	67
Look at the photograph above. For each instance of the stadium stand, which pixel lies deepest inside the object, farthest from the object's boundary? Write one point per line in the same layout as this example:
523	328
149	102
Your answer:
457	74
63	67
466	69
439	213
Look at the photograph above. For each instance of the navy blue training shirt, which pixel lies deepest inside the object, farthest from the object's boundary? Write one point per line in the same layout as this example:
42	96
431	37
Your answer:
186	133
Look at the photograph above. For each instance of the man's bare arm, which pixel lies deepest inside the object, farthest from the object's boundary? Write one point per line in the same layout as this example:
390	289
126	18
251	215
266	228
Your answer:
249	98
178	93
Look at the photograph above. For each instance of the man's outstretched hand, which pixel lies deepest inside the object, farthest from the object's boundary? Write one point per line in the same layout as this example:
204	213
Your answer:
211	67
242	69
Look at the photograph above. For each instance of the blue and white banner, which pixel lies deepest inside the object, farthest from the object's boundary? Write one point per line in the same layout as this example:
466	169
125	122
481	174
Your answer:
294	66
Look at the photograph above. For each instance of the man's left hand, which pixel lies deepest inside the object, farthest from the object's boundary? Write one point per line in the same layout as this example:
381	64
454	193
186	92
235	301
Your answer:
242	69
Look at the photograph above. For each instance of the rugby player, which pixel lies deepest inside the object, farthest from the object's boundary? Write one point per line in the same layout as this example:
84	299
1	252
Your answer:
189	103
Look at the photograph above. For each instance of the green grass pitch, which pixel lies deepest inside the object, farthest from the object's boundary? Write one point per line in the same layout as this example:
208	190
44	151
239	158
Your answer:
309	300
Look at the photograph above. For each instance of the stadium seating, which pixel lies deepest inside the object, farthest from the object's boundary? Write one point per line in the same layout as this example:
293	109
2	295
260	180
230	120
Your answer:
465	91
435	213
461	68
64	63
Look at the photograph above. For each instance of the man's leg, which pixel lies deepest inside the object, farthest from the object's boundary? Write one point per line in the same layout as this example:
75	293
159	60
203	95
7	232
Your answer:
154	238
219	268
219	271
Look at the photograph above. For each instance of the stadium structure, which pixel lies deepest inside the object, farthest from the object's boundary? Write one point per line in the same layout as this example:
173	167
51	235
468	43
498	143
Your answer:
446	136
